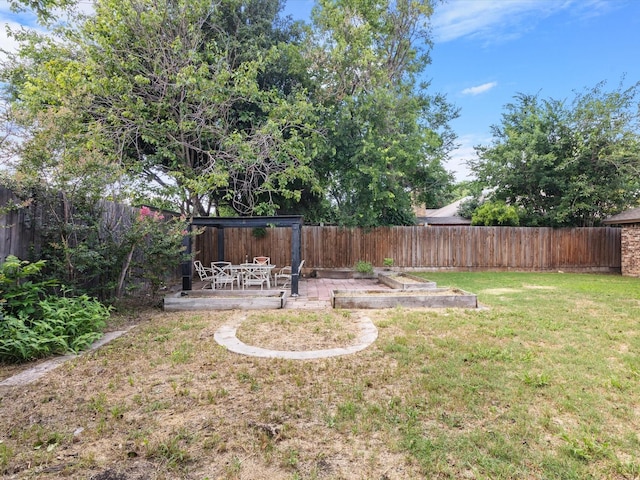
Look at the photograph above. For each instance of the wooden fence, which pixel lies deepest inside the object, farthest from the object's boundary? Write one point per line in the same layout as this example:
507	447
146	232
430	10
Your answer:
18	227
456	248
594	249
21	225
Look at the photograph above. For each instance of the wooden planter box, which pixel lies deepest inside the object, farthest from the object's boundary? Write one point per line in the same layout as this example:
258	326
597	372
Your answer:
405	281
434	298
225	300
342	273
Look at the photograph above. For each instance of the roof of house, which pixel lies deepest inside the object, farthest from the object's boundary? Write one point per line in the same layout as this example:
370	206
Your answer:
453	220
628	216
447	215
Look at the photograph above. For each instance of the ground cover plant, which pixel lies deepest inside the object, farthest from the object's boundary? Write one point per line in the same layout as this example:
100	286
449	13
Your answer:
541	383
38	320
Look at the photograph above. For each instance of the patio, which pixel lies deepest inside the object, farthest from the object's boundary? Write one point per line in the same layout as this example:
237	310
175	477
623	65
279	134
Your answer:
316	292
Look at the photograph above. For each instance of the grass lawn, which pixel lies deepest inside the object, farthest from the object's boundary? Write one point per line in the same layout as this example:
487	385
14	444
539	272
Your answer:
543	383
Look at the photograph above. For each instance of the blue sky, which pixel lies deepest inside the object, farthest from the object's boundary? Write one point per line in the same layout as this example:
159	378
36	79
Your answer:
487	51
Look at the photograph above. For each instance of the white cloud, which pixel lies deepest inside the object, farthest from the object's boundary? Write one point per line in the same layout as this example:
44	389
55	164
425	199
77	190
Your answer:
459	158
477	90
13	21
8	43
496	20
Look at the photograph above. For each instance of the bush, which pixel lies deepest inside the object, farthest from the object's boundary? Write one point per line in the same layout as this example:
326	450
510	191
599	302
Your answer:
496	213
35	323
363	267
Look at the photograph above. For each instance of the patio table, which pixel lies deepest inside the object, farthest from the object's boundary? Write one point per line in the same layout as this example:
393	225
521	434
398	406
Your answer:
255	274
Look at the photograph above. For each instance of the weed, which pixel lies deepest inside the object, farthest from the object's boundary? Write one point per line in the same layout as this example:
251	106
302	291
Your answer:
5	455
98	403
246	377
537	380
170	450
117	411
291	458
347	411
234	467
182	354
587	447
157	405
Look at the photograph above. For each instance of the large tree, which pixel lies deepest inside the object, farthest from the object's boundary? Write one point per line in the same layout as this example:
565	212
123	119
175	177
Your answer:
209	105
385	137
566	164
169	89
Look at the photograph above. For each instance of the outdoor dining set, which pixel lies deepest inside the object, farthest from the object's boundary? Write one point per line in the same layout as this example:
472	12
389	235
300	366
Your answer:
258	273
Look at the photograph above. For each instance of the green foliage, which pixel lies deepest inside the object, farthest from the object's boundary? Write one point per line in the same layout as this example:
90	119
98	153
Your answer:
363	267
467	208
387	262
34	323
259	232
472	194
190	91
44	9
154	249
210	107
566	164
385	137
20	292
496	213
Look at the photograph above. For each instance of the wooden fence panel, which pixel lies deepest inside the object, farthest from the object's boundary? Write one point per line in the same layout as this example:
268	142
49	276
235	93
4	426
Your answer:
457	247
18	228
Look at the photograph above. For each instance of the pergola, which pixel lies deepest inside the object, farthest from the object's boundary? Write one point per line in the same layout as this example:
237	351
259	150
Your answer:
220	223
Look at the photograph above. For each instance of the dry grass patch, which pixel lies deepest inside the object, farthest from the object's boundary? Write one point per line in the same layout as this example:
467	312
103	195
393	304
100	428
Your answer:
299	330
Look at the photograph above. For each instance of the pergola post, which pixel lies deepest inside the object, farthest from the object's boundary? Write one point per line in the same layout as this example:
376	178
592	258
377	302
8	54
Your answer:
187	266
296	248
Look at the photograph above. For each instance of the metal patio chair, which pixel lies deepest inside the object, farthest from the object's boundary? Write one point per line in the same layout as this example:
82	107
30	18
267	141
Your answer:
224	275
285	273
205	273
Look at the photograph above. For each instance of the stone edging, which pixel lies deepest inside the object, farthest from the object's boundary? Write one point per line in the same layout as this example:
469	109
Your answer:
32	374
226	336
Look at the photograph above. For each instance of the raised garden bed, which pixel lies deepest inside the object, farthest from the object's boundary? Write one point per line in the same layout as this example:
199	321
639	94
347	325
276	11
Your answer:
341	273
405	281
225	300
434	298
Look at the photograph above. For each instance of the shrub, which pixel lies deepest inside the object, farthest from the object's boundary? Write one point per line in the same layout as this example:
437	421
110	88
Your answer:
363	267
158	243
496	213
20	291
35	323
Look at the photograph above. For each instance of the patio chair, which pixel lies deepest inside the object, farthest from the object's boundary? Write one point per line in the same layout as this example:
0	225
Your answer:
256	274
205	273
223	275
285	273
262	260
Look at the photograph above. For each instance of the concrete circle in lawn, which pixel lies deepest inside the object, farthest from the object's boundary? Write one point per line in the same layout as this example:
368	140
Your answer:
226	336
